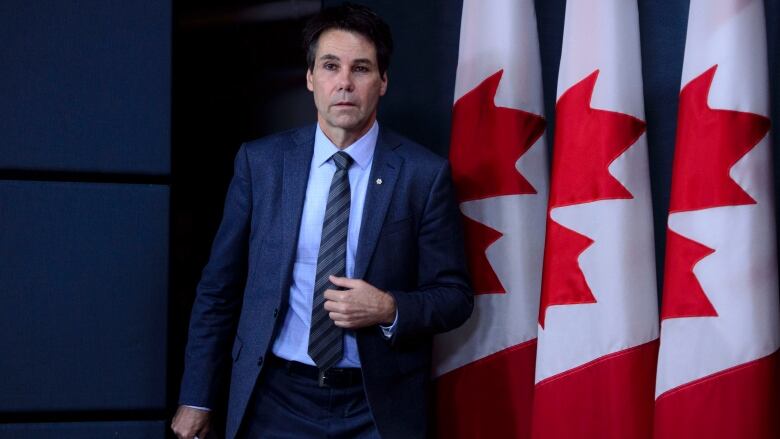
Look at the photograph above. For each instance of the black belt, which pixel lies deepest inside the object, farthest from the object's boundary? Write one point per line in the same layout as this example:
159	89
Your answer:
333	377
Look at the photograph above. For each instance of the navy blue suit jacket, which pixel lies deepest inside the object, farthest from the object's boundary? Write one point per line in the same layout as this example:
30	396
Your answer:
410	245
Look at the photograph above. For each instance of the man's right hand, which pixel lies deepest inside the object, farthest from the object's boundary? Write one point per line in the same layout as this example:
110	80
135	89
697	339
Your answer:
190	422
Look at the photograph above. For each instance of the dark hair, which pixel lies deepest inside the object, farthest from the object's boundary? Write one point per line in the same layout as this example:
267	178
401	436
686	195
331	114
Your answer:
351	18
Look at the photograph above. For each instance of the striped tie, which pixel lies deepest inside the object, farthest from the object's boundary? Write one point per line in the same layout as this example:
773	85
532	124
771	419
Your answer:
326	339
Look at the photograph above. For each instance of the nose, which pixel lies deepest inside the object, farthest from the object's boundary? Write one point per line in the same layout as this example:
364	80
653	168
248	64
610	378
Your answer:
344	80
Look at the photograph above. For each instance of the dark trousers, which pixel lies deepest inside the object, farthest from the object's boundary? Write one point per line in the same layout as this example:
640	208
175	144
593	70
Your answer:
285	404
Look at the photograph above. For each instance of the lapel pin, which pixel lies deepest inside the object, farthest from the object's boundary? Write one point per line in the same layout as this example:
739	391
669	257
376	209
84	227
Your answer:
378	181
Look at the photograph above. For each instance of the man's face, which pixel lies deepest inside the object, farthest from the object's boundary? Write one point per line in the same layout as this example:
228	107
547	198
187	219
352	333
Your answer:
346	83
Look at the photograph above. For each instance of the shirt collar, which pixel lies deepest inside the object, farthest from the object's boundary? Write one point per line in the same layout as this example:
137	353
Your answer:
362	151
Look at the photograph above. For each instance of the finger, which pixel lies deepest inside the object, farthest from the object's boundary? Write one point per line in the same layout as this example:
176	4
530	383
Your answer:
336	295
345	324
344	282
338	317
186	434
339	307
177	430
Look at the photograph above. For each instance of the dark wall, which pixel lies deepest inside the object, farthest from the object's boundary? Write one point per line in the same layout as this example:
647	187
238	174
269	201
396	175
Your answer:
84	206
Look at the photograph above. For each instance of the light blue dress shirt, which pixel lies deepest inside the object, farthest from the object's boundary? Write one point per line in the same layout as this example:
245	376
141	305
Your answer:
292	342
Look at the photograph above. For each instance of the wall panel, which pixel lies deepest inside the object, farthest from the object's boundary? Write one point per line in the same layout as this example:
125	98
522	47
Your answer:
83	309
85	85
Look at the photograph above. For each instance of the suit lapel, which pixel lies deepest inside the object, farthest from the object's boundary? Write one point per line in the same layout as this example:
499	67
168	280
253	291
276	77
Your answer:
384	174
295	175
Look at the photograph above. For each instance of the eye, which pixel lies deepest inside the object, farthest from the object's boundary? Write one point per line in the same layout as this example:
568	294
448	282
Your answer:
360	69
330	66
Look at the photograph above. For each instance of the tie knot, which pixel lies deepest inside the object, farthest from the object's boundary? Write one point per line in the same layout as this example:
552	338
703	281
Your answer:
342	160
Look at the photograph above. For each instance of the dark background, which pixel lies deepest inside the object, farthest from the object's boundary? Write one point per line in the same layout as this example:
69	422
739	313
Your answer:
118	126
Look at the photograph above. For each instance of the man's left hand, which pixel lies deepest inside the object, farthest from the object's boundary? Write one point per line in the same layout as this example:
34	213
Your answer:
359	304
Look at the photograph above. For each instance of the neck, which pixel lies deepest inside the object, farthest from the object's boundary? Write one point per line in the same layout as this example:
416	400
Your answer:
343	138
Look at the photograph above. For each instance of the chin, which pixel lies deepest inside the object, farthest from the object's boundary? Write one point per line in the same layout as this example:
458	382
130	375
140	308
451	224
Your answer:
346	124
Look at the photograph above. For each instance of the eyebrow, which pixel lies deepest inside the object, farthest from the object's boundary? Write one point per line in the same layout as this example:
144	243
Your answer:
331	57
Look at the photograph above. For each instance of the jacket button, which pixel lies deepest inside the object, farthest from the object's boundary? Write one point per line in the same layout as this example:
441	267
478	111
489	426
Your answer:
276	312
260	361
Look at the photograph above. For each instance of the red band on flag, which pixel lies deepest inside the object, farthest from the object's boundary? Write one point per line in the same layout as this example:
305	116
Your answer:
742	402
608	398
490	398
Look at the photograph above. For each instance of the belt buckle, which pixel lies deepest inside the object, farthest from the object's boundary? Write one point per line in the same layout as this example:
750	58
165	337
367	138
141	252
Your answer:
322	379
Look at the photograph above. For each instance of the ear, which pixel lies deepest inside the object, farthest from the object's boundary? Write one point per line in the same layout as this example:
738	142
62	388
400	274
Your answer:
309	80
383	88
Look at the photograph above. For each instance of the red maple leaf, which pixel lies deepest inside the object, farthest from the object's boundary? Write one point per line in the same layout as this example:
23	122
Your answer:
709	143
480	237
487	141
562	280
587	141
683	295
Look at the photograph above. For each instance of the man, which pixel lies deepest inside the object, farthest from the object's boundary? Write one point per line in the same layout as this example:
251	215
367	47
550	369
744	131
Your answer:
338	257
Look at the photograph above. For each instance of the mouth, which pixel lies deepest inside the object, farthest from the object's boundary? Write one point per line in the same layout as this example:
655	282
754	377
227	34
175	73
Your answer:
343	104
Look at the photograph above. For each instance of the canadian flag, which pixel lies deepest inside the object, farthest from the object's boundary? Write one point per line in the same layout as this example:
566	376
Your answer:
485	368
718	361
598	320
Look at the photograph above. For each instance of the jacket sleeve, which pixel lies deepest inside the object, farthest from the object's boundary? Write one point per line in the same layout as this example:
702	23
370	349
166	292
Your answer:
217	305
443	299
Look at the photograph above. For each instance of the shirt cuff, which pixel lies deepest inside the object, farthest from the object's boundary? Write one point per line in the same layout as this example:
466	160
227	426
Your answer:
205	409
388	331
